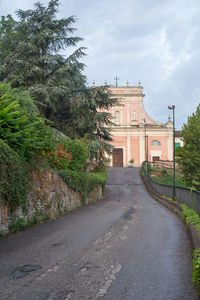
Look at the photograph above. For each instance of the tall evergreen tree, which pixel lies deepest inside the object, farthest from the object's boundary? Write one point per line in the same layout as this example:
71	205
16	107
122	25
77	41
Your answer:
35	61
90	117
30	58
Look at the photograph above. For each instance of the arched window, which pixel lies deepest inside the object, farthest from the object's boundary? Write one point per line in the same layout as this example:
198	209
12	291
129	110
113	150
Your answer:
134	116
155	143
117	118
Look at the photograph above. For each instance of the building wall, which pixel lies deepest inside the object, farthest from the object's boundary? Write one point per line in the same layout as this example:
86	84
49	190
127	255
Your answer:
129	130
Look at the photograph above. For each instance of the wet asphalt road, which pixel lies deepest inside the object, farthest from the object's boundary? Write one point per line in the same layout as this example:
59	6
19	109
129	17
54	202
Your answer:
127	246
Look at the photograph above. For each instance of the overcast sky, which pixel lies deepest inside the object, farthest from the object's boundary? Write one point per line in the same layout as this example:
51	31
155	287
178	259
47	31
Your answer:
155	41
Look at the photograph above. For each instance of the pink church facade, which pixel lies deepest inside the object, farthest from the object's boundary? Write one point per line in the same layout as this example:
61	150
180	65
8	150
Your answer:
135	134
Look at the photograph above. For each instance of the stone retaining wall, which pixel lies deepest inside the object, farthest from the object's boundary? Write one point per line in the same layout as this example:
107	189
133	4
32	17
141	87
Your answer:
48	195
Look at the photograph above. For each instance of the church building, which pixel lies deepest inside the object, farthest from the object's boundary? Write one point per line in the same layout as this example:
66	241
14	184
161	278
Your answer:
136	135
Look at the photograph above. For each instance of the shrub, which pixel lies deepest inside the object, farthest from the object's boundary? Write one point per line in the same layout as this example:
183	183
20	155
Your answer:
13	177
190	216
79	153
20	126
59	158
196	269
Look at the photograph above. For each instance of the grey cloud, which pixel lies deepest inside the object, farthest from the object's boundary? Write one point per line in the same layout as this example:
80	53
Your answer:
155	41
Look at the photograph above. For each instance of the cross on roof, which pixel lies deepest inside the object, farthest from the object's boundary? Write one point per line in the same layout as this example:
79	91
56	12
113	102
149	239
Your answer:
139	83
105	82
93	83
116	79
127	83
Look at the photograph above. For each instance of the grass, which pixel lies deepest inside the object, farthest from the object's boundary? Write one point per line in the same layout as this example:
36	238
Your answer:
165	176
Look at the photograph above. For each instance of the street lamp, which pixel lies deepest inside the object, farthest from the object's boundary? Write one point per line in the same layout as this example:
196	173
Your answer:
172	107
146	148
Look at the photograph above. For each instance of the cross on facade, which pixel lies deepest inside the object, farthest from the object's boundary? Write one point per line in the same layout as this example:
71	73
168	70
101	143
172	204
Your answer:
139	83
127	83
116	79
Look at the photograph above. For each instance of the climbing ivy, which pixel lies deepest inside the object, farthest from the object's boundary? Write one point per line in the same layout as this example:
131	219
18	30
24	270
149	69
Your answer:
13	177
83	182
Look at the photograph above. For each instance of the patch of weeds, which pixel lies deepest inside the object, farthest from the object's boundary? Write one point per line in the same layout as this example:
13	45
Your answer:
65	210
20	224
190	216
196	269
170	199
45	217
2	234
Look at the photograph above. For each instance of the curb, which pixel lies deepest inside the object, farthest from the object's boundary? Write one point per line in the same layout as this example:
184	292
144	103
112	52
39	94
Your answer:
175	207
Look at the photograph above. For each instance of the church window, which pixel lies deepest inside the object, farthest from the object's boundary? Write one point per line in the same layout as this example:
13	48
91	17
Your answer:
117	118
155	143
134	116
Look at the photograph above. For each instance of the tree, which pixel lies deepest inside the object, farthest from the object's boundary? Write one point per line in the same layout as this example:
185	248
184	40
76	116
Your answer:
30	59
89	117
188	156
8	37
34	61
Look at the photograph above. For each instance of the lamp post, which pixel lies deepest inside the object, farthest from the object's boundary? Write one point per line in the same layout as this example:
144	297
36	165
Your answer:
172	107
146	148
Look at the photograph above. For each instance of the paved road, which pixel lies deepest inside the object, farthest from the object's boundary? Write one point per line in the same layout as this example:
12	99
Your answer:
126	246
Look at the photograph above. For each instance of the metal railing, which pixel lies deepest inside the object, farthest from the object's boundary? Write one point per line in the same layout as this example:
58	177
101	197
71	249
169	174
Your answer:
183	195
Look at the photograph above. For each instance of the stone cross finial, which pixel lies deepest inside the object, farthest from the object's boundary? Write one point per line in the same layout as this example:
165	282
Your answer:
127	83
93	83
105	82
139	83
116	79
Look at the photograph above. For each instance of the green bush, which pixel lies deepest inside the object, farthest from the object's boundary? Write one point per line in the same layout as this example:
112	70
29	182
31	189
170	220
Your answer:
79	153
13	177
196	269
20	125
81	182
59	158
70	154
190	216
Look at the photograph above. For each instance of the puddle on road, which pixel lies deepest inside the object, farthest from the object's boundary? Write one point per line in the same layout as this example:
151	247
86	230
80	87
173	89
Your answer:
128	215
24	270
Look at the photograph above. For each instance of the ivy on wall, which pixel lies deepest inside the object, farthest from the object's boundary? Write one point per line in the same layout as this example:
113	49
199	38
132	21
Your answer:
13	178
81	182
